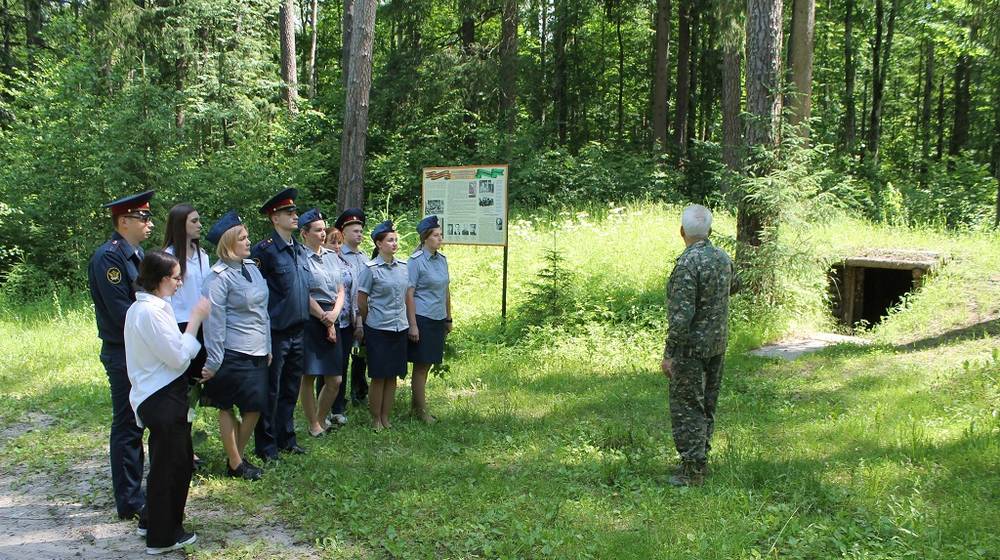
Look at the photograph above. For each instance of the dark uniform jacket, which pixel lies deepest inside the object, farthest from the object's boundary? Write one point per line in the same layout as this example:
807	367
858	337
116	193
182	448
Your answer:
698	302
286	270
111	276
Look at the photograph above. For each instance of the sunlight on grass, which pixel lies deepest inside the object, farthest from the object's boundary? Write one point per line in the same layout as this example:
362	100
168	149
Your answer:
555	437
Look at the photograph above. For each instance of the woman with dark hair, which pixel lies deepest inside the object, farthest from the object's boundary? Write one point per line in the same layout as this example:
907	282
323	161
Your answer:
430	315
156	355
322	356
183	240
383	303
346	323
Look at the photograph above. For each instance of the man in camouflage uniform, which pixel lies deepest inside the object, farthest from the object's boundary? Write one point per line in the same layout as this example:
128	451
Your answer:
698	318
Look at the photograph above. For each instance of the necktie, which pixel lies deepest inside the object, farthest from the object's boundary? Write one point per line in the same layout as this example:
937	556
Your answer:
246	273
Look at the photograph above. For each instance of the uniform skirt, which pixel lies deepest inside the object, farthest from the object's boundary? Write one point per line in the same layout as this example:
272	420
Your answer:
241	381
430	348
319	355
386	353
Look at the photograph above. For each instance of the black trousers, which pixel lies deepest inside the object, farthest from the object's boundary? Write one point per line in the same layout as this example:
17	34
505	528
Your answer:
359	383
171	459
125	446
276	428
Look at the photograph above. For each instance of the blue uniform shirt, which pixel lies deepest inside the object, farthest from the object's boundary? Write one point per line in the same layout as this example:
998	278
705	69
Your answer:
111	276
428	276
357	261
386	286
284	267
238	319
327	277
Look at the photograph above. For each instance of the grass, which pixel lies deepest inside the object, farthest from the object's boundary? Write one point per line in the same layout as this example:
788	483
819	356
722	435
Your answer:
555	438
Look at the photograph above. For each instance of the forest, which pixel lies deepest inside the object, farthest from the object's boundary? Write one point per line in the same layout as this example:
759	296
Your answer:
888	109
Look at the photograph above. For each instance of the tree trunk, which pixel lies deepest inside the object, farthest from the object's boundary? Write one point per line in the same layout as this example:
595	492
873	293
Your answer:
33	29
763	105
880	63
660	78
6	56
926	107
289	72
508	73
691	130
683	77
995	151
801	55
345	48
467	35
940	120
962	99
732	138
850	74
352	149
542	51
559	93
313	40
731	33
621	72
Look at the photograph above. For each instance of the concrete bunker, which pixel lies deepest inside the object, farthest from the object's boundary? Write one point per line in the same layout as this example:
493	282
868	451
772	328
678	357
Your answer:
864	287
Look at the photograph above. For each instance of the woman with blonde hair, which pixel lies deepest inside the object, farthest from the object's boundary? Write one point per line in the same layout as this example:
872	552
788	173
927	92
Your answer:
237	341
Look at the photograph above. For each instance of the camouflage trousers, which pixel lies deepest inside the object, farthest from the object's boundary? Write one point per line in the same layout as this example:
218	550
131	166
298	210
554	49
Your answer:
694	391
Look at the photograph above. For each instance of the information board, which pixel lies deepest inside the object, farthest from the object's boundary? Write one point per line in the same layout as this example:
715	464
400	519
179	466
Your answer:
470	202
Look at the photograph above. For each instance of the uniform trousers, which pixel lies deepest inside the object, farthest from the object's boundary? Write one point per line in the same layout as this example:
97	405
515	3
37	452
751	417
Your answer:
171	458
125	446
276	428
359	383
694	392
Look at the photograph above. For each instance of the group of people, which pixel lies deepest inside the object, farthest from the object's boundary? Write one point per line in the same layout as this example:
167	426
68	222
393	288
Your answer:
263	328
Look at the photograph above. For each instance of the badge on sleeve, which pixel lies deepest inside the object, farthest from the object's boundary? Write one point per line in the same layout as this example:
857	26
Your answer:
114	275
257	262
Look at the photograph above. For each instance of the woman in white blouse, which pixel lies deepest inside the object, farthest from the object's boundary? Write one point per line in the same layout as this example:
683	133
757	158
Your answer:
183	240
156	355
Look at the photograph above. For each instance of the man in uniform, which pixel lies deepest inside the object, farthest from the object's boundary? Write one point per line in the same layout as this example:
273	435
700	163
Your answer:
111	275
351	223
283	263
698	321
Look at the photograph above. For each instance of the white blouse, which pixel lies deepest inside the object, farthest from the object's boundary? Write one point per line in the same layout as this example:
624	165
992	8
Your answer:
156	353
189	292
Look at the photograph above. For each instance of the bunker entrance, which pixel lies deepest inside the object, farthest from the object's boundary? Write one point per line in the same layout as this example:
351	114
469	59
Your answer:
865	287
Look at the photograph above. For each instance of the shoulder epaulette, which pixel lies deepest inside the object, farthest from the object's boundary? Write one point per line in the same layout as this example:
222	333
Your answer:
219	267
416	253
370	263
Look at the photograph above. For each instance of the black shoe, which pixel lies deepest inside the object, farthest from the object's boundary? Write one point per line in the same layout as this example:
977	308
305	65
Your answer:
141	528
294	450
198	463
266	458
184	540
245	471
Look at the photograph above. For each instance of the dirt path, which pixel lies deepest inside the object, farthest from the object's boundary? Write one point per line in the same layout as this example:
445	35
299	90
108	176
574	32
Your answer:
46	516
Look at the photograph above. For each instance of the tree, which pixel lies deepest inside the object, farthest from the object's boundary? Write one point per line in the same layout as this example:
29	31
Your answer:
962	99
352	147
880	68
560	71
660	78
313	40
800	55
926	106
763	106
289	72
683	77
732	39
345	48
508	71
850	75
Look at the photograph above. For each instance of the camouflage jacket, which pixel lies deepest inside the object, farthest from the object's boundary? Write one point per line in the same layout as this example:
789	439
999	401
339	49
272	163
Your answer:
698	302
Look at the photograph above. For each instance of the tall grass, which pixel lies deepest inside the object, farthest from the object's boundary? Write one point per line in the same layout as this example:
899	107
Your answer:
555	438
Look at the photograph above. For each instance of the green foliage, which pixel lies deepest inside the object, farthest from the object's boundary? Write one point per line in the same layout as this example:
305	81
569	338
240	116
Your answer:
884	451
